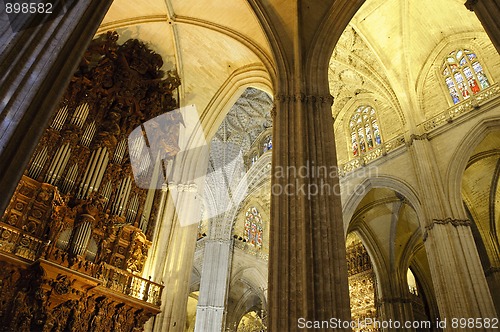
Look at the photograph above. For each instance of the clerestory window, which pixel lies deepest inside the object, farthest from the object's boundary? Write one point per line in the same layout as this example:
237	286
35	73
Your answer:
463	74
364	129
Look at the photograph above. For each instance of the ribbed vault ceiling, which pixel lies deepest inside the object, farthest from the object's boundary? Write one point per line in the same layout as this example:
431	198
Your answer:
384	50
382	53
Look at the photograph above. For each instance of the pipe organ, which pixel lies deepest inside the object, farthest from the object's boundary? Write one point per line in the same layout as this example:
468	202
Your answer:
75	237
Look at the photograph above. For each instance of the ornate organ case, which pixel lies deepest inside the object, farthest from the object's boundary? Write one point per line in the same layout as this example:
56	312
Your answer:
75	237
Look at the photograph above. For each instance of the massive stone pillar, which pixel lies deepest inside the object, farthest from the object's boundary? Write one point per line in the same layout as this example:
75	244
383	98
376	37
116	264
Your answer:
308	272
175	235
211	309
173	252
488	12
396	309
395	303
459	283
493	277
38	57
307	261
173	262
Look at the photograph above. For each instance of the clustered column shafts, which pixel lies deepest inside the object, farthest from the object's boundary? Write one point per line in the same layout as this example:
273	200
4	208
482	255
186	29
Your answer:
308	269
454	262
211	309
487	11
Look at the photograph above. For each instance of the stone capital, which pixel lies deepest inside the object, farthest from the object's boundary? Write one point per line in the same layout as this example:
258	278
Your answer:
304	98
469	4
415	137
491	270
184	187
453	222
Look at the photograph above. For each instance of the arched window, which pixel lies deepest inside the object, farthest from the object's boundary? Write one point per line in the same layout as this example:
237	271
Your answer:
253	227
365	132
463	74
268	144
412	282
255	157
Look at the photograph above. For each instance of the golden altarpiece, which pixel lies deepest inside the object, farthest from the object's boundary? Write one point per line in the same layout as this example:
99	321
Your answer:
364	299
362	284
75	237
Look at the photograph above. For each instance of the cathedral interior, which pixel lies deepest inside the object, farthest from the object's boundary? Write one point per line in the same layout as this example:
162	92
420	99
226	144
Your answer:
258	165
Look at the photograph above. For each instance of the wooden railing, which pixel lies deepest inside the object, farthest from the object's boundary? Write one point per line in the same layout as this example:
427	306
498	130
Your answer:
20	243
130	284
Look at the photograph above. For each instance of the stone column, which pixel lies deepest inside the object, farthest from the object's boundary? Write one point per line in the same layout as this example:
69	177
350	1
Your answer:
395	309
488	12
211	309
493	277
173	257
307	259
36	64
459	282
393	301
157	254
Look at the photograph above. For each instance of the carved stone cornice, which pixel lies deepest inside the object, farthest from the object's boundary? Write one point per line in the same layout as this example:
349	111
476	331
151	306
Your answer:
415	137
453	222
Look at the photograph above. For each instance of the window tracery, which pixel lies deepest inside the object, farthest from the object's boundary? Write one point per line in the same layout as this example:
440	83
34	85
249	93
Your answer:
463	74
364	129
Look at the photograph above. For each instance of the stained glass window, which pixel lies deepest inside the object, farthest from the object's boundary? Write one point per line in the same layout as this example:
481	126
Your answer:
463	74
268	144
253	227
365	132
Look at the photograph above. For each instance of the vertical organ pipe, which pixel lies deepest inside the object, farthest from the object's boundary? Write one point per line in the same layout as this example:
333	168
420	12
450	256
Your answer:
37	164
121	197
90	167
132	209
106	190
70	178
94	172
58	164
101	172
120	152
82	235
80	115
88	134
60	118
